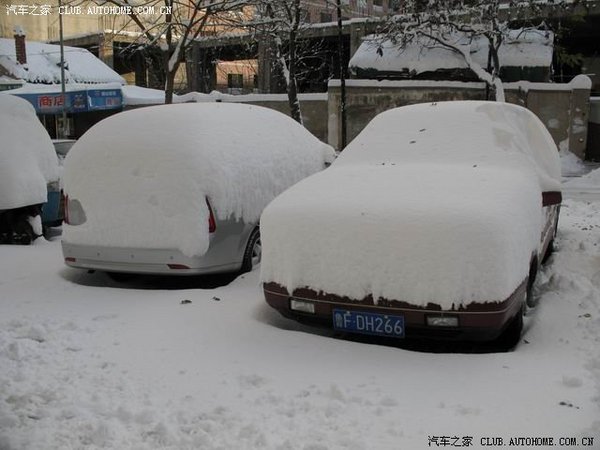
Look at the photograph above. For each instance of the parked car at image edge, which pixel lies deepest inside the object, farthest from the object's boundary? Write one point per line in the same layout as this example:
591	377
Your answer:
432	223
29	174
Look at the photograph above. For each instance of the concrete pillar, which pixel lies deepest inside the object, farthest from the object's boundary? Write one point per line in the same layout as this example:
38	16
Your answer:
141	71
265	72
105	50
580	113
357	33
334	128
204	70
191	67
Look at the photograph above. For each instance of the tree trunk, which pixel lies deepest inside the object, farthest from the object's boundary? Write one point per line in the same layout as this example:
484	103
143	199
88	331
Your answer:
292	87
170	85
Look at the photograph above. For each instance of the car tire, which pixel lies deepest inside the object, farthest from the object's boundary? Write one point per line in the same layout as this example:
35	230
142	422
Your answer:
253	253
23	233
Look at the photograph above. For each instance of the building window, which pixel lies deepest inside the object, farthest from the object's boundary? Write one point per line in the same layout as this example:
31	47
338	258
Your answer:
235	80
326	17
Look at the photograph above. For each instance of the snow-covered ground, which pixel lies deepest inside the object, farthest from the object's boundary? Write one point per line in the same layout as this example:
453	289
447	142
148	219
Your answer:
86	363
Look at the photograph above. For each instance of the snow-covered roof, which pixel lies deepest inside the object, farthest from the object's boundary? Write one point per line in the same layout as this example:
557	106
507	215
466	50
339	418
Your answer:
43	64
142	175
27	157
522	48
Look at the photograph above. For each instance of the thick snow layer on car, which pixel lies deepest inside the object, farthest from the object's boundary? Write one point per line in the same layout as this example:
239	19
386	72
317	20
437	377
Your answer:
462	132
142	176
27	158
431	203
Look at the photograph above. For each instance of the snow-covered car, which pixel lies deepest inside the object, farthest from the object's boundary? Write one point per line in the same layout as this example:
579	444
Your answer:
179	189
28	169
433	222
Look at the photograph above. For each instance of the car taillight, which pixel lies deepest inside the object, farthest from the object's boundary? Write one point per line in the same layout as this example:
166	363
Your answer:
74	213
212	224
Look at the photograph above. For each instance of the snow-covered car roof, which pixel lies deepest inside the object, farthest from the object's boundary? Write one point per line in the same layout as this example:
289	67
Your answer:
434	203
142	176
458	132
27	158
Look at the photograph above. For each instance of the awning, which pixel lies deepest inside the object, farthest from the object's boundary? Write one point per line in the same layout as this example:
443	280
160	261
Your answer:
47	99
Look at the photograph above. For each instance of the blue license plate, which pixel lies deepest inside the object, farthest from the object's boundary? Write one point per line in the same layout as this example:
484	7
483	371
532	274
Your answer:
368	323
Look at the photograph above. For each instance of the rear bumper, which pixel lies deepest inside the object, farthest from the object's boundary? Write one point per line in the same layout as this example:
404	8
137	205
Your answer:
477	322
142	261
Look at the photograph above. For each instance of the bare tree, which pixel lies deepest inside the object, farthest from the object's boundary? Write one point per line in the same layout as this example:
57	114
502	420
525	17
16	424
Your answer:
172	26
285	25
281	23
457	24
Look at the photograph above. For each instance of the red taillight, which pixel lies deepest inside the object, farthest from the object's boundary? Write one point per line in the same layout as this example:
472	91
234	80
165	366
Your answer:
66	208
70	259
212	224
177	266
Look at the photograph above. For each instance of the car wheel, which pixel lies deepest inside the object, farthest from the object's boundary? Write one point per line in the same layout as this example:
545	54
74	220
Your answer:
511	336
253	253
23	232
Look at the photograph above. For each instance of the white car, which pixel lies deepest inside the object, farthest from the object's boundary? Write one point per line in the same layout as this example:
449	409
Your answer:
433	222
179	189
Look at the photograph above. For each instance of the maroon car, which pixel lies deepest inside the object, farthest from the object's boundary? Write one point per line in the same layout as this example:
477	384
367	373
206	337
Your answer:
433	222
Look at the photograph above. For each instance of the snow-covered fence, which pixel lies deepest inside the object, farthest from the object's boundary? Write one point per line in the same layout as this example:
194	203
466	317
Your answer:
563	108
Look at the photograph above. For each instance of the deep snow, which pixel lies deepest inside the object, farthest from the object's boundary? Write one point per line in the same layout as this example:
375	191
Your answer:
88	364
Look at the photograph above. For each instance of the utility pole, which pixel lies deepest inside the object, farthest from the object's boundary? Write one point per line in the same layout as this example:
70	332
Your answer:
62	132
342	67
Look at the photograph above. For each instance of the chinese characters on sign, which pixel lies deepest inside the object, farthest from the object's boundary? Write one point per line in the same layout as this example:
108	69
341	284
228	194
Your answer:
28	10
49	102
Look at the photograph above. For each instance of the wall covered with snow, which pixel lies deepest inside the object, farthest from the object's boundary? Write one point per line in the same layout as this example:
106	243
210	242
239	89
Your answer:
563	108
